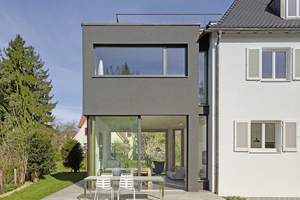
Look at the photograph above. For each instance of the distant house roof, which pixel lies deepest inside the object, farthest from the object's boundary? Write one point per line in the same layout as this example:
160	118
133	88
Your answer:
122	135
253	14
81	122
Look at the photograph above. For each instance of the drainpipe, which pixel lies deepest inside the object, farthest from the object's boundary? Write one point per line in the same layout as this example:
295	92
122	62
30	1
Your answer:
217	111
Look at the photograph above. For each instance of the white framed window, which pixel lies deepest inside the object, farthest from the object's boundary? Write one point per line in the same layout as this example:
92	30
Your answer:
269	64
274	64
293	8
265	135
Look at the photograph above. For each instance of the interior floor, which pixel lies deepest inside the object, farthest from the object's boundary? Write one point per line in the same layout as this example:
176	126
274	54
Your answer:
170	184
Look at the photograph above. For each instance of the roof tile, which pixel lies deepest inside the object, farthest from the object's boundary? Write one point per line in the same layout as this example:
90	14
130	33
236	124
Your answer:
253	14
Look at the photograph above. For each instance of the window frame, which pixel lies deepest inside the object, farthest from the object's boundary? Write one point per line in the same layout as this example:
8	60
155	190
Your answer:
164	59
273	51
288	62
263	136
297	9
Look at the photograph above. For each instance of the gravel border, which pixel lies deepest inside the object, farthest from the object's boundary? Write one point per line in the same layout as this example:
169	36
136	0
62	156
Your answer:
27	183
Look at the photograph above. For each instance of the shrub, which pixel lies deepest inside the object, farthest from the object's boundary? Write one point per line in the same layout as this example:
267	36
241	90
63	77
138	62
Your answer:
72	155
41	156
10	187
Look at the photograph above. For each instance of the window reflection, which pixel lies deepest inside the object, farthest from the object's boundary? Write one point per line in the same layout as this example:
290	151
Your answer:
140	61
202	78
115	145
202	148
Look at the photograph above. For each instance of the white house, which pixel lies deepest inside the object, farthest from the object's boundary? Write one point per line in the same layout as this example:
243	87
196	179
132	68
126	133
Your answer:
81	136
254	91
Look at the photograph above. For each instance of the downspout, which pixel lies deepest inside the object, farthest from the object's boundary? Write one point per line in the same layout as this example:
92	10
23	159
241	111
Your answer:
217	111
88	145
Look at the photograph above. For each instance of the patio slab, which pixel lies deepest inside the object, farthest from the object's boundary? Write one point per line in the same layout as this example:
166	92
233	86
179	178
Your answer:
75	192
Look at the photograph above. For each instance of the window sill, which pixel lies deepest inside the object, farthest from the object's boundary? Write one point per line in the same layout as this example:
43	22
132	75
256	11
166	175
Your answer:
274	80
140	76
263	151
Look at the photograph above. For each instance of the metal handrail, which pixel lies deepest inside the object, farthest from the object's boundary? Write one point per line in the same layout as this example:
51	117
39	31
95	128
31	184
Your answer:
149	14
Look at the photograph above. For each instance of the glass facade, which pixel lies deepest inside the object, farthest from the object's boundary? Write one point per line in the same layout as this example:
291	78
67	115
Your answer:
116	147
202	148
202	79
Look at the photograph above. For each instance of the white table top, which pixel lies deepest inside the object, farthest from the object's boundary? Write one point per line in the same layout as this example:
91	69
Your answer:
135	178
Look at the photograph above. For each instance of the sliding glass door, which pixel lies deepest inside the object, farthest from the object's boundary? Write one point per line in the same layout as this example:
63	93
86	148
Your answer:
115	145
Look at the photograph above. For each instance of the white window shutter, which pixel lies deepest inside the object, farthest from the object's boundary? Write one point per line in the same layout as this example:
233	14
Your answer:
241	135
289	136
296	64
253	64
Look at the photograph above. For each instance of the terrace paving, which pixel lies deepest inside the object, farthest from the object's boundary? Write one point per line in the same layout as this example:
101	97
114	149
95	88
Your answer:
75	192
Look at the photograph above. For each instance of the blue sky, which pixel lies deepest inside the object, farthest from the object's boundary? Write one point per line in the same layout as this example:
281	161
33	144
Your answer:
53	27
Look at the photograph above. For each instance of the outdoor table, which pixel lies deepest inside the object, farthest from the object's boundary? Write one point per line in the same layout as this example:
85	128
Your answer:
159	179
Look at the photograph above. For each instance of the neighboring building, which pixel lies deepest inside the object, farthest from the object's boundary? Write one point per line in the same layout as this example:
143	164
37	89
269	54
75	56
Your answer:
230	91
254	71
81	136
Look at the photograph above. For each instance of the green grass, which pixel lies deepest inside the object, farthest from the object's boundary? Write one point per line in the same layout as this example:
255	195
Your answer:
49	184
234	198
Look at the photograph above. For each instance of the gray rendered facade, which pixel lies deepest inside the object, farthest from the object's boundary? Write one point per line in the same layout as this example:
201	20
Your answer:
146	95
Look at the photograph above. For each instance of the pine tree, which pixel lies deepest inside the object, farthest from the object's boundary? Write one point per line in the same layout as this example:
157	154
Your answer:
72	154
25	102
41	156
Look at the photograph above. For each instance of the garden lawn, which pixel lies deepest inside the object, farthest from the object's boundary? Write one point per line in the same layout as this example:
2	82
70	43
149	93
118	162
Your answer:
49	184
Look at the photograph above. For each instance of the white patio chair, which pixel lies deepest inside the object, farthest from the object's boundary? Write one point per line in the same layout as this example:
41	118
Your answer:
103	183
126	183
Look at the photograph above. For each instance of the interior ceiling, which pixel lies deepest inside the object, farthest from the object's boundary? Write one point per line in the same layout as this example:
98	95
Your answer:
163	122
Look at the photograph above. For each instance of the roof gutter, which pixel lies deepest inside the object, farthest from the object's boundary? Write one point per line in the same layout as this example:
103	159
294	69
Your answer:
210	30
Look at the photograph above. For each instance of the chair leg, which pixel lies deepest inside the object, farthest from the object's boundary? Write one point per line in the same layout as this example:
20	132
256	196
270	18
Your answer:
118	194
95	194
133	194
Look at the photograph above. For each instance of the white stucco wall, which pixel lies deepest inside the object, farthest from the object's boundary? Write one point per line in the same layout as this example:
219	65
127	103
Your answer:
80	136
255	174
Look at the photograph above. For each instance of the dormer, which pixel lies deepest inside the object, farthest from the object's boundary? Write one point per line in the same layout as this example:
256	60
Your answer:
286	9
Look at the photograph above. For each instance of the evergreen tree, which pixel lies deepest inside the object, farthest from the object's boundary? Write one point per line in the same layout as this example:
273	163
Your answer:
41	156
27	94
123	70
72	154
24	99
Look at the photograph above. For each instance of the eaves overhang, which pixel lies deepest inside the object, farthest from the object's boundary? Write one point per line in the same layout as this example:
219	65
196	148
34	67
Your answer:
251	29
239	30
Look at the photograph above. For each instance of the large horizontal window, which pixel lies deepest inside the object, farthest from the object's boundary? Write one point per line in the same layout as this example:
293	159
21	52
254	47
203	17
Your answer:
135	61
265	136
